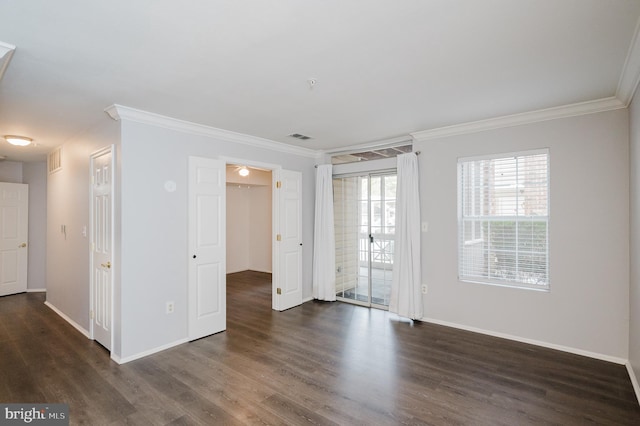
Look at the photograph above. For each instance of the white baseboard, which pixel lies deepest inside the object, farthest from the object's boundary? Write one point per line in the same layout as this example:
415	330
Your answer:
36	290
634	380
308	299
69	320
576	351
139	355
260	270
248	270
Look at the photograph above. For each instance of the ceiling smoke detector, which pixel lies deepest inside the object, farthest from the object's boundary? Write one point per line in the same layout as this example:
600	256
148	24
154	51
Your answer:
300	136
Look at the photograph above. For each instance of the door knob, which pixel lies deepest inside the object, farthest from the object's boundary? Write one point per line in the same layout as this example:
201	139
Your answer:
23	245
106	265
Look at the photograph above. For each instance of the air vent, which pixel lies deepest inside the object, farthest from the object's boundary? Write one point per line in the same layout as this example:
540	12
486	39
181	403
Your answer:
299	136
55	160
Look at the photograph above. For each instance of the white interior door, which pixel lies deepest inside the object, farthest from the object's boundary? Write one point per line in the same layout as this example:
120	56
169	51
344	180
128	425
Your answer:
14	204
207	247
102	248
287	276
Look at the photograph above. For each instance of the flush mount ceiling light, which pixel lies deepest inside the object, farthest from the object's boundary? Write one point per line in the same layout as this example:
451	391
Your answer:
18	140
244	172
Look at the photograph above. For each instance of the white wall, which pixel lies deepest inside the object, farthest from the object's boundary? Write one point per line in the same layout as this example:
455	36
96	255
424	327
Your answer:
154	227
260	229
249	226
11	171
35	175
67	270
238	208
634	290
587	308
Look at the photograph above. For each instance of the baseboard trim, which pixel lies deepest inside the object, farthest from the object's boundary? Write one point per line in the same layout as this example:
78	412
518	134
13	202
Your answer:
634	380
308	299
69	320
595	355
143	354
36	290
248	270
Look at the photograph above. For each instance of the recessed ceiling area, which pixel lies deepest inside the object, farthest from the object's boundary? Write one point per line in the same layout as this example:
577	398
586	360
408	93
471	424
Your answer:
380	70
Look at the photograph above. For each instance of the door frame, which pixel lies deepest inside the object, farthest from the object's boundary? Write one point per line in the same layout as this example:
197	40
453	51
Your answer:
274	218
368	174
108	149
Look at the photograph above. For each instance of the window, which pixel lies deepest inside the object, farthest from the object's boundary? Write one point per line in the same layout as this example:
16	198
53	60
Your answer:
503	219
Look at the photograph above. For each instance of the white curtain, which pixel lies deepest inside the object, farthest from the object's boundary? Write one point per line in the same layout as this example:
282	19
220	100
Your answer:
324	241
406	295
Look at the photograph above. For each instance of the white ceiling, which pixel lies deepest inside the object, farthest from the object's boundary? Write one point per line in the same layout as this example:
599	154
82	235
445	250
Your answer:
383	68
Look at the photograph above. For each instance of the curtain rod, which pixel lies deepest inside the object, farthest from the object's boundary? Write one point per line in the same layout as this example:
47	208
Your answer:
416	152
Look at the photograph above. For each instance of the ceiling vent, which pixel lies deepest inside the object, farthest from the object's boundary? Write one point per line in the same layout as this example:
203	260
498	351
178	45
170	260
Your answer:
54	160
299	136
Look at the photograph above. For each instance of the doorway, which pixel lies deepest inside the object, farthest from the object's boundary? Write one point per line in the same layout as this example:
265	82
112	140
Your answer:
101	227
364	210
249	219
207	241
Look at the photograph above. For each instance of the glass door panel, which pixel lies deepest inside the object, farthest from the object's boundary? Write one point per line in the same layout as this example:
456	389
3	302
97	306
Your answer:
364	208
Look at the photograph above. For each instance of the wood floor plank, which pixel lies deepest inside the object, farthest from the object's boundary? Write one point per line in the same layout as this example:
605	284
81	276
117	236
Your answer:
319	363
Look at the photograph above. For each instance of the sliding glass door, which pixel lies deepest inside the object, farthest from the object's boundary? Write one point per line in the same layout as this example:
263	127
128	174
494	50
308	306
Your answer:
364	208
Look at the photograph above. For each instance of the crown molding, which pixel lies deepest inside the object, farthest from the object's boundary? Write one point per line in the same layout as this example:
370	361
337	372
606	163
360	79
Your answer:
119	112
6	52
630	75
572	110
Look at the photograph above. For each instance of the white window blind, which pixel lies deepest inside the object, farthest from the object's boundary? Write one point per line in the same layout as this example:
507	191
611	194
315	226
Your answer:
503	219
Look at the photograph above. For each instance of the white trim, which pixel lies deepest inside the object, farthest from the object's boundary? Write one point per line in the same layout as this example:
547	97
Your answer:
634	380
249	270
369	146
143	354
308	299
6	52
36	290
572	110
630	75
501	155
109	149
119	112
270	167
69	320
562	348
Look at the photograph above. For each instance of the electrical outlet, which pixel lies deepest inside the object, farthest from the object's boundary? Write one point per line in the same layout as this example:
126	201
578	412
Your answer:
424	289
170	307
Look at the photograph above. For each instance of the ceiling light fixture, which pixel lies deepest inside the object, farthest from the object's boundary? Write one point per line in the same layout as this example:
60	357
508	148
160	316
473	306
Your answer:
244	172
18	140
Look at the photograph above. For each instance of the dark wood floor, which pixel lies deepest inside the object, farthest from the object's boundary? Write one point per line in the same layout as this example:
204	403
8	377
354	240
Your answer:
320	363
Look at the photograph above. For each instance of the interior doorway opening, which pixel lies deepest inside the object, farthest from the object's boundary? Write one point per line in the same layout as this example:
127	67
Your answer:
249	230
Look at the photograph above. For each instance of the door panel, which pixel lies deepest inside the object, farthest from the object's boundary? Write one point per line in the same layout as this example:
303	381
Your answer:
364	209
14	203
207	247
288	272
101	254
